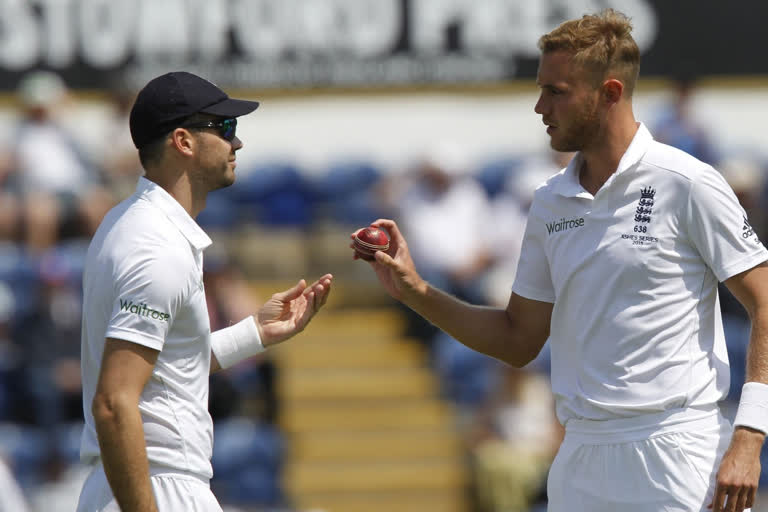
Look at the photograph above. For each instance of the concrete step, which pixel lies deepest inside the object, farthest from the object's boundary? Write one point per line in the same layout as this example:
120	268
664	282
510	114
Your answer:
340	340
378	445
423	501
358	321
367	430
305	477
356	415
359	296
319	384
372	353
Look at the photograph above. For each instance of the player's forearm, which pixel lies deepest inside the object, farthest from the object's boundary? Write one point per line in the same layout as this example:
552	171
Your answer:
484	329
757	355
124	455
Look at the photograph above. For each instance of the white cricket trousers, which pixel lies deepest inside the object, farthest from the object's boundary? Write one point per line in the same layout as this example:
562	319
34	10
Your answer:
174	492
665	462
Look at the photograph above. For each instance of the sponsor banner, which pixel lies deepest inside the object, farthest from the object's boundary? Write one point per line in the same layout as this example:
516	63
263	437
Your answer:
306	43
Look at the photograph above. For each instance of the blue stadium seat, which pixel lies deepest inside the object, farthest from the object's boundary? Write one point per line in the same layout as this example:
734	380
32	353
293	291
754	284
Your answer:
276	195
346	192
466	376
26	450
247	463
19	272
736	331
494	173
221	211
348	177
65	262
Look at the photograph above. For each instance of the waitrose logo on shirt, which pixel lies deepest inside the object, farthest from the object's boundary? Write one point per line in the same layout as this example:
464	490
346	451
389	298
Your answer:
142	310
563	224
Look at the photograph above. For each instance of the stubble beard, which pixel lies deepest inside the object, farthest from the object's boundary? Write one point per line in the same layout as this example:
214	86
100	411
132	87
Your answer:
225	177
215	175
582	131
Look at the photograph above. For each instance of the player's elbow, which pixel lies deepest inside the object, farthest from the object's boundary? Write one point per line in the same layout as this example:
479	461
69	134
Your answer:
515	348
107	407
521	358
525	334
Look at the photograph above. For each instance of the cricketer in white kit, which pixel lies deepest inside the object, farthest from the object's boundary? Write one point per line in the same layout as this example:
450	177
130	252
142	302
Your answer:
145	285
619	270
147	346
633	274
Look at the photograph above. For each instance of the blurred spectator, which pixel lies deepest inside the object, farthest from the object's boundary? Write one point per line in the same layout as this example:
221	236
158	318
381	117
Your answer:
445	214
11	497
45	388
513	441
677	125
467	377
509	210
60	495
50	340
745	173
251	384
10	358
119	159
10	214
248	453
60	192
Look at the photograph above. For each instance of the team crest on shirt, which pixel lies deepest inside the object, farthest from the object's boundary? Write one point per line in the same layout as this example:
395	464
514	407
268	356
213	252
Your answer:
643	217
645	205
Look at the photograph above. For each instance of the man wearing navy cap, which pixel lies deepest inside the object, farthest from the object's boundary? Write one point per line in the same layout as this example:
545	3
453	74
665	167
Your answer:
147	346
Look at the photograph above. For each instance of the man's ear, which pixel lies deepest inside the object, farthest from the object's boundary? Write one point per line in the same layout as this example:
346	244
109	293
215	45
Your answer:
613	90
183	141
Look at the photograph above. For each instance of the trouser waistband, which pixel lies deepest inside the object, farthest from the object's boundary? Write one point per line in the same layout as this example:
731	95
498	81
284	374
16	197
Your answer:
155	470
643	426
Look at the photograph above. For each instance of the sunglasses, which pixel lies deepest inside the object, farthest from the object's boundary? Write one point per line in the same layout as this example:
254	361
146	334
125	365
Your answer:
225	128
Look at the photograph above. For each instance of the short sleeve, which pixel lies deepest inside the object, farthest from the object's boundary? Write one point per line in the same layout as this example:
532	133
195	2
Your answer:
533	279
718	227
147	296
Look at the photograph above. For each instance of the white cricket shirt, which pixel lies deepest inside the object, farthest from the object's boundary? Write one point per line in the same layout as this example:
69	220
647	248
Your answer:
633	274
143	283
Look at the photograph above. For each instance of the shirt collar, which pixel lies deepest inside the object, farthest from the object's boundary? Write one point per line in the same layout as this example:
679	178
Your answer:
160	198
570	186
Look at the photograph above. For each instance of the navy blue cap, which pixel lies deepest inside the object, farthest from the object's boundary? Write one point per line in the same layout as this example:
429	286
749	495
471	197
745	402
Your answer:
170	98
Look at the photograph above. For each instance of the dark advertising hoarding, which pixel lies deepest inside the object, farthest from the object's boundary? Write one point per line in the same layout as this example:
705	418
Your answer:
306	43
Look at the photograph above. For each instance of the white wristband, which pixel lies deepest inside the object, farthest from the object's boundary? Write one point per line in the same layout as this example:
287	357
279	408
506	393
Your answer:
753	407
236	342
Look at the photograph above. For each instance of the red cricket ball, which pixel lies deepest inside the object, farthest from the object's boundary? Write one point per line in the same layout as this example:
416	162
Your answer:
369	240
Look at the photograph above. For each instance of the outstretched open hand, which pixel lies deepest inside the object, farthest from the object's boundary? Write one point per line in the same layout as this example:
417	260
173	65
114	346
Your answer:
287	313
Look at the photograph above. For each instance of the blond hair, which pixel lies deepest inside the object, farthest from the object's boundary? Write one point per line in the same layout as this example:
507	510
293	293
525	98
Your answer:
601	44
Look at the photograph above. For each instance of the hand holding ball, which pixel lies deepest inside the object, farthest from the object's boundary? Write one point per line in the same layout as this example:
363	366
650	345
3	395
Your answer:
369	240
